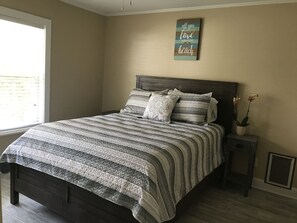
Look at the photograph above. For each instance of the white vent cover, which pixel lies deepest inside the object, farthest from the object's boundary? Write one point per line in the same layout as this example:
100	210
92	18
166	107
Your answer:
280	170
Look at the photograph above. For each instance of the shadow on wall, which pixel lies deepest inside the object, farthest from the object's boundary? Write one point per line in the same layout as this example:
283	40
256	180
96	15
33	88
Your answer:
7	140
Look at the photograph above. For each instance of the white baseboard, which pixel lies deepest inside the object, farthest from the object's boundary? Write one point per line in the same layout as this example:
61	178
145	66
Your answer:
261	185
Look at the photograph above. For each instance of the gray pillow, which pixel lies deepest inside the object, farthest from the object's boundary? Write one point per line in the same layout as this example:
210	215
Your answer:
138	100
190	107
212	111
160	107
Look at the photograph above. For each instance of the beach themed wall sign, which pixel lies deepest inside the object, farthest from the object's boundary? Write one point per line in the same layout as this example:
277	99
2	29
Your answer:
187	39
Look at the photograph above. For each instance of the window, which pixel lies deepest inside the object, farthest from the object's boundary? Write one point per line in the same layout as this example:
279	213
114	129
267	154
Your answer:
24	70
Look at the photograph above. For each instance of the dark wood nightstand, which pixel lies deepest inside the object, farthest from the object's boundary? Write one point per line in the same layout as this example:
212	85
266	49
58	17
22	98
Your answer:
240	144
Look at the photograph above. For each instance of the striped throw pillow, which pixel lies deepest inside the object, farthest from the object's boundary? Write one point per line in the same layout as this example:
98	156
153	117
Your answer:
190	107
138	100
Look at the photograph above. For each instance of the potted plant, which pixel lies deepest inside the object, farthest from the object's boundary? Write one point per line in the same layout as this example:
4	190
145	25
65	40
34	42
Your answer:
241	125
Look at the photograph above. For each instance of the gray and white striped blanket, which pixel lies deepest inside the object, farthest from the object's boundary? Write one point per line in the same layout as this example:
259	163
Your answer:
144	165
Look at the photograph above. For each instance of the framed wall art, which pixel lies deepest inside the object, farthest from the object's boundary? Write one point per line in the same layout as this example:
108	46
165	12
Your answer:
187	39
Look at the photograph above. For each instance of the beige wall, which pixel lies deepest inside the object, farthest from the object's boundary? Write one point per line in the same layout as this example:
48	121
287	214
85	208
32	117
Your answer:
76	58
255	46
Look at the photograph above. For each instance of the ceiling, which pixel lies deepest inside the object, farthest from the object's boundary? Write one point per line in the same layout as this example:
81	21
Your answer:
126	7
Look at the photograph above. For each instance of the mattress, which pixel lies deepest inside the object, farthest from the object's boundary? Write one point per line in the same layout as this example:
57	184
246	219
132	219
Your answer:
145	165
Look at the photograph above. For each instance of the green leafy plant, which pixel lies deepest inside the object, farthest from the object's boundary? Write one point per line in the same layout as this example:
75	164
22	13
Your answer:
244	121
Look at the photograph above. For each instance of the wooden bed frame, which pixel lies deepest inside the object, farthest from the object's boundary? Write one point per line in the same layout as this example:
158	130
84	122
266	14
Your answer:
79	205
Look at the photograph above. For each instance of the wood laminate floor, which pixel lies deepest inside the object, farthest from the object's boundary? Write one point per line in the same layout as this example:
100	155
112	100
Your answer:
214	205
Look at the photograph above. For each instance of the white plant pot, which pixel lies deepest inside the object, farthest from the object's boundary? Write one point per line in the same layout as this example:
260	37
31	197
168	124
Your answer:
240	130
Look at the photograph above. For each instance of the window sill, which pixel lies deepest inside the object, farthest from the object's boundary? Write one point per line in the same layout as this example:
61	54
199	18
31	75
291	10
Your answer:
15	131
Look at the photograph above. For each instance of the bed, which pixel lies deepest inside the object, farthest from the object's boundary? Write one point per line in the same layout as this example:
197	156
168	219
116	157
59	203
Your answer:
65	194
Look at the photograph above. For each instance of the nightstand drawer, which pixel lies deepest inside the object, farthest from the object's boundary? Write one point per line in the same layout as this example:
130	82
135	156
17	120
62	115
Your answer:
238	144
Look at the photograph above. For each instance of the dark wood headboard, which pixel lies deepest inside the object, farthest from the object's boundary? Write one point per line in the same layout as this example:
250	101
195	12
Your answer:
222	91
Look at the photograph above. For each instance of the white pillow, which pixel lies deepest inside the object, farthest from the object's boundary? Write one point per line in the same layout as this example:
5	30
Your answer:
160	107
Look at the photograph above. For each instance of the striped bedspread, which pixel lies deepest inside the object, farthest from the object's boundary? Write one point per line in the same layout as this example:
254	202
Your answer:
144	165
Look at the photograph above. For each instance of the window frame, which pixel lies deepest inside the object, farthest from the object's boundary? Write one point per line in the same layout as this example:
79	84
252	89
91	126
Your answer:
39	22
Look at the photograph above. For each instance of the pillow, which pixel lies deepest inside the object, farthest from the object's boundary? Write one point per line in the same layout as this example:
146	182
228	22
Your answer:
138	99
190	107
212	111
160	107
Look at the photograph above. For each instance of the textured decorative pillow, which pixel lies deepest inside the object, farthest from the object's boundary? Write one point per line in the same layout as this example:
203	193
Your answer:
160	107
190	107
138	100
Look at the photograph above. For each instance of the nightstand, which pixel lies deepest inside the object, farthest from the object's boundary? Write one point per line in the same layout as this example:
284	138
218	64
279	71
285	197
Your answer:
240	144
